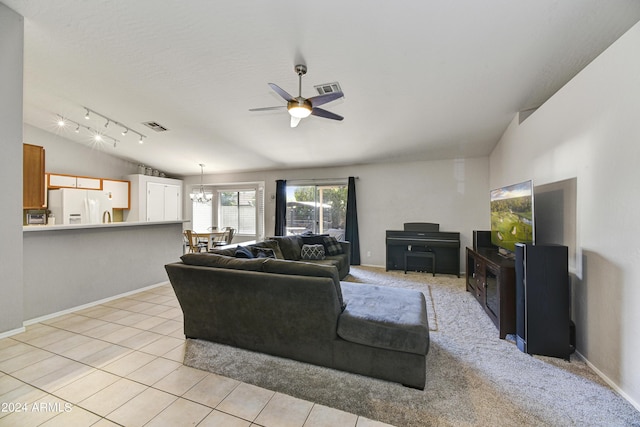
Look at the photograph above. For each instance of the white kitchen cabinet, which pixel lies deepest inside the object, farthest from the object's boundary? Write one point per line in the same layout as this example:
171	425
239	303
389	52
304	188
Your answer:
163	201
154	199
88	183
70	181
56	180
119	191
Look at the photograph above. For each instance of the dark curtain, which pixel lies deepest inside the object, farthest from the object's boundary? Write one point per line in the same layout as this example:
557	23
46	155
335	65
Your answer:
281	208
351	229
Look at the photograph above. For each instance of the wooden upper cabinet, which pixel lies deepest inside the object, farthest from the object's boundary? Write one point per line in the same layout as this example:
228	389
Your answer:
33	181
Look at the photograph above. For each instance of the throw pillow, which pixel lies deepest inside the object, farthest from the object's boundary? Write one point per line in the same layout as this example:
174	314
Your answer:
263	252
243	252
290	246
312	252
333	247
270	244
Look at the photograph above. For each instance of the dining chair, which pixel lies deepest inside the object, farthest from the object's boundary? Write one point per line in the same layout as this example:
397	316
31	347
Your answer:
229	236
195	245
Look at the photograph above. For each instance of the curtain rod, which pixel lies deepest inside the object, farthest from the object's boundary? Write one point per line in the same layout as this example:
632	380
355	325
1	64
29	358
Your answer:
315	181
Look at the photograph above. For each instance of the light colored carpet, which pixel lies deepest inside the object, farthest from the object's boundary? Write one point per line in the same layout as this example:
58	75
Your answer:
473	377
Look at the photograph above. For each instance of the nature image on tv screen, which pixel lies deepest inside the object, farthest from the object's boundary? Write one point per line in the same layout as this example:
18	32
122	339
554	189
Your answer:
512	215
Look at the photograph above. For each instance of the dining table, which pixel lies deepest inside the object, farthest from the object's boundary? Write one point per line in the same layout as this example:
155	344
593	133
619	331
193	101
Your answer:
211	238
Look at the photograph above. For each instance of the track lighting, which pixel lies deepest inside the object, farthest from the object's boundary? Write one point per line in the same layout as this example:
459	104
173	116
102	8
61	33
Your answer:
95	134
116	123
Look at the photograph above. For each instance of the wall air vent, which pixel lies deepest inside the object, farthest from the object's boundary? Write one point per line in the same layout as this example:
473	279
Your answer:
328	88
155	126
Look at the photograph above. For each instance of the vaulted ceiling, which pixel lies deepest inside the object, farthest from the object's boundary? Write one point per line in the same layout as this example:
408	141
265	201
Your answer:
422	79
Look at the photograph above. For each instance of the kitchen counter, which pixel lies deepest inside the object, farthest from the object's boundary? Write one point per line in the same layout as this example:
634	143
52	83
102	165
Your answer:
67	227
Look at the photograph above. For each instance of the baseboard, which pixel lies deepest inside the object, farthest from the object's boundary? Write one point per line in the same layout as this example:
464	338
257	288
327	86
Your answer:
462	273
606	379
7	334
88	305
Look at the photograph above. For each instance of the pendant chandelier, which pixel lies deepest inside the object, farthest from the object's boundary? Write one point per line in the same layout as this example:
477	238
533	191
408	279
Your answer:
201	196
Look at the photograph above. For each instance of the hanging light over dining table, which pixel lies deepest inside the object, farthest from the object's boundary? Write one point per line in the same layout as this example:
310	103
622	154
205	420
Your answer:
201	196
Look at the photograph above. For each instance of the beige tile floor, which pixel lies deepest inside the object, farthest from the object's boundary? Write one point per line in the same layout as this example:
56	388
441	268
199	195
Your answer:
120	363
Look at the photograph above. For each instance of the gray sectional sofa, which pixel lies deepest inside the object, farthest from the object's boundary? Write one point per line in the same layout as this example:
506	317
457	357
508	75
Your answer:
290	248
302	311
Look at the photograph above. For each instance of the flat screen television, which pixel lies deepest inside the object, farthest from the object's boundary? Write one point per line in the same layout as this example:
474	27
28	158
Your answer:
512	216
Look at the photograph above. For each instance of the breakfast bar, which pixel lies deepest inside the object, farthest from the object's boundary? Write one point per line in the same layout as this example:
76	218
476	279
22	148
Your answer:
70	266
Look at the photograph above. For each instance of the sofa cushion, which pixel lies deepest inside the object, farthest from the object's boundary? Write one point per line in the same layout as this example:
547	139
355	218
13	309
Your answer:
313	239
389	318
332	246
300	268
227	251
222	261
291	246
271	244
312	252
326	261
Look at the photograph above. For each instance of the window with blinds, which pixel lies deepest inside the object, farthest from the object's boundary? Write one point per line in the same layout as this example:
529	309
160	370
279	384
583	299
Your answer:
202	216
242	209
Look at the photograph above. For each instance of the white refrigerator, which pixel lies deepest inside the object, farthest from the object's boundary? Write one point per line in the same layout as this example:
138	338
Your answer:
78	206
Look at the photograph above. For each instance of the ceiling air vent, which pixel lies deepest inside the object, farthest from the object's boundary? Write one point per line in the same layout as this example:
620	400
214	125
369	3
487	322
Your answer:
328	88
155	126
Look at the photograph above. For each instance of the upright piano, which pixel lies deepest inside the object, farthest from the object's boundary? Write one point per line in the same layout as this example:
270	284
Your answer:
422	237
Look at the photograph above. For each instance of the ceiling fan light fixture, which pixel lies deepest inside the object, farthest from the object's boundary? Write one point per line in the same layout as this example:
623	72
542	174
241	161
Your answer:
300	112
299	108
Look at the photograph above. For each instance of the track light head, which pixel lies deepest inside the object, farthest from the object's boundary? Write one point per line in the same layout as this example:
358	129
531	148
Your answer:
125	131
86	116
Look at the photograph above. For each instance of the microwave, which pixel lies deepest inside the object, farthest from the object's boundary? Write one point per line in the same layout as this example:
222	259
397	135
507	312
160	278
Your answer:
36	219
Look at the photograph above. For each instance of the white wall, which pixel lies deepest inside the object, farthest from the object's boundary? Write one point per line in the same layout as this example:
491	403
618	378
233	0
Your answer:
11	48
67	157
453	193
590	131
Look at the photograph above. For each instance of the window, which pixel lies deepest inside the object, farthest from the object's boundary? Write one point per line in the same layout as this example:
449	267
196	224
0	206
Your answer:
238	209
317	208
202	217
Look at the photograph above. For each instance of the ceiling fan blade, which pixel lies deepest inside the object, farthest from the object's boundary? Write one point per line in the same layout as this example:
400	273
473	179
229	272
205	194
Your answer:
295	121
280	107
325	114
316	101
283	93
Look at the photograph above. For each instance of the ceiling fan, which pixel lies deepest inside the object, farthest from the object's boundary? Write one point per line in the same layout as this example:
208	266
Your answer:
300	107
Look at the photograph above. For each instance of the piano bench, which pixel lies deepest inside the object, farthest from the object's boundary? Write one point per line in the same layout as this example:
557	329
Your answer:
417	254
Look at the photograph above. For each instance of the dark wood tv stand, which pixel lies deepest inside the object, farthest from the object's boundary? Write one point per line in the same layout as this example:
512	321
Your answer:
490	277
